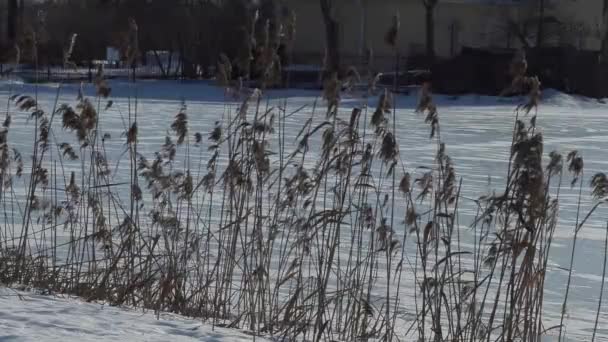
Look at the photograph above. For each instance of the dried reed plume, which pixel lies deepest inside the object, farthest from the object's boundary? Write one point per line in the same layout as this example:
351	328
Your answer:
383	107
425	104
599	184
331	93
575	165
517	70
224	71
180	124
102	87
132	52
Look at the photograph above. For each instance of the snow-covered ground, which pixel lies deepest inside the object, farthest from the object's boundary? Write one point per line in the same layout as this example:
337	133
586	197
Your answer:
25	316
476	130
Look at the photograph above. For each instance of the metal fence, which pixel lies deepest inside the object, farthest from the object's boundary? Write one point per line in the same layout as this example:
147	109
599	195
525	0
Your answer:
30	73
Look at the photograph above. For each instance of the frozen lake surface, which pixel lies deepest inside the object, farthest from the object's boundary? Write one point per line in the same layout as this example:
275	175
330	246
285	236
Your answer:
477	132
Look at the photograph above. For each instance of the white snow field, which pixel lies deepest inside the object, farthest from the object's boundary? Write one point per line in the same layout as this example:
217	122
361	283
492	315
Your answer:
477	132
25	316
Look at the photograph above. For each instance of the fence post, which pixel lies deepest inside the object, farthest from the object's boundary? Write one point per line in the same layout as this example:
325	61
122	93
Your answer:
133	67
90	71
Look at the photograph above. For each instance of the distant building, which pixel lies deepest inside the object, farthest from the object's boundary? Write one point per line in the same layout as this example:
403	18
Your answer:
112	55
458	23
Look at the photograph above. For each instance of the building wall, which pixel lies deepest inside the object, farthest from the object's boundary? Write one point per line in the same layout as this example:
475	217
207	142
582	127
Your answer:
458	23
583	22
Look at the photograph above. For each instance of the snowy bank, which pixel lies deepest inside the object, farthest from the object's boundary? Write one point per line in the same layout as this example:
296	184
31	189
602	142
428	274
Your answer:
28	316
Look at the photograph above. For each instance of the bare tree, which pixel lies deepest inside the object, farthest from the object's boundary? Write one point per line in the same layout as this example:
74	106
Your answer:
604	46
12	21
332	37
429	6
541	24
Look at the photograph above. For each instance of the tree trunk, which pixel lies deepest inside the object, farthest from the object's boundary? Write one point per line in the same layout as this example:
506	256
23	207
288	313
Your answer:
362	28
604	46
603	57
332	38
430	33
541	23
21	13
12	21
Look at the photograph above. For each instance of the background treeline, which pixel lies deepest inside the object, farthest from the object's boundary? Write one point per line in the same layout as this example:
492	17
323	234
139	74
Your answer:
198	30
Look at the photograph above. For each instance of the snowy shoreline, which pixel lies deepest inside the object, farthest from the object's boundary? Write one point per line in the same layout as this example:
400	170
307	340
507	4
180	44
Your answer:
27	316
